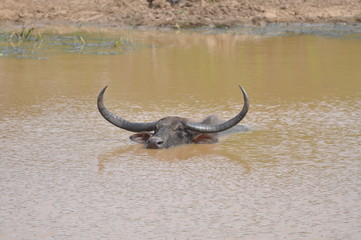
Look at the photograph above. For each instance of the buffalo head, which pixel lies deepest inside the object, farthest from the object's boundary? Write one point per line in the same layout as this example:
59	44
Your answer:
172	131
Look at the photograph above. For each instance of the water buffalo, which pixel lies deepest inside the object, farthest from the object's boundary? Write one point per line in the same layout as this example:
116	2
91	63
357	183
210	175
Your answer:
172	131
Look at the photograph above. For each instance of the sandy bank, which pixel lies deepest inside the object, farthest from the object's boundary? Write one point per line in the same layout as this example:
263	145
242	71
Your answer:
187	13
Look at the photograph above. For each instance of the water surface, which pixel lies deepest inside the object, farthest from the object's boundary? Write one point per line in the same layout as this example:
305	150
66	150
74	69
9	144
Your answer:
66	173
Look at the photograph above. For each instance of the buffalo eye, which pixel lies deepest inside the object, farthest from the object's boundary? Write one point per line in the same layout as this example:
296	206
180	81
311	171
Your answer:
181	133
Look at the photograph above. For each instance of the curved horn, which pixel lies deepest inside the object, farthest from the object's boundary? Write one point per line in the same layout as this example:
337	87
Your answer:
120	122
207	128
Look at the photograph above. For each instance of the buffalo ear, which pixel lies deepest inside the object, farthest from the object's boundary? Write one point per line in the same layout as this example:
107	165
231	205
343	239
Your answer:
203	138
141	137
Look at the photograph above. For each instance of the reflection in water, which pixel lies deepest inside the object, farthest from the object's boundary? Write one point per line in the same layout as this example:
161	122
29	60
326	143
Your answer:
65	173
175	154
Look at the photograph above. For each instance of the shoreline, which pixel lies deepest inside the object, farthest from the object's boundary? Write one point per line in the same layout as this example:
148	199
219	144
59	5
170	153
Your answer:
337	29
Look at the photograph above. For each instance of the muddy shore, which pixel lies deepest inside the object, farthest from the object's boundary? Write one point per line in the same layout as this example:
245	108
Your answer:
184	14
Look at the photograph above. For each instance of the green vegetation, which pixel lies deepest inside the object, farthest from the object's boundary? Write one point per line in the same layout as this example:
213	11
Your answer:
30	42
28	33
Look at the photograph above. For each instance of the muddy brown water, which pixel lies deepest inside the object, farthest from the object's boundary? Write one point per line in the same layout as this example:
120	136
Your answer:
66	173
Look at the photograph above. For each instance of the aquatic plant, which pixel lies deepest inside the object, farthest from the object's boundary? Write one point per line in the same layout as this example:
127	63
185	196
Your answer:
28	33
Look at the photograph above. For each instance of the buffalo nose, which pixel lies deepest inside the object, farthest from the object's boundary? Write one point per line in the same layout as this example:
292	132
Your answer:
154	142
